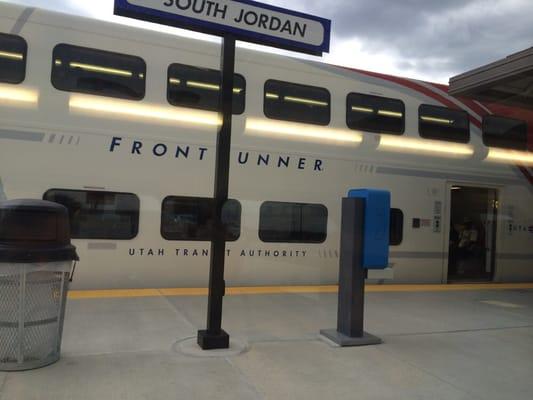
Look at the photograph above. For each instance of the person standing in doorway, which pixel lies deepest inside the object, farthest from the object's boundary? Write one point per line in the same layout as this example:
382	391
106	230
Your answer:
467	240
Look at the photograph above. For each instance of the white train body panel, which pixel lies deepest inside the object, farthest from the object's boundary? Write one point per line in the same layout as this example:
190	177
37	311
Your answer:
69	148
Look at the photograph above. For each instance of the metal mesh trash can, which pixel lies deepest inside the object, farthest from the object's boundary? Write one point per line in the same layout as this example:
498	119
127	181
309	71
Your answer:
36	264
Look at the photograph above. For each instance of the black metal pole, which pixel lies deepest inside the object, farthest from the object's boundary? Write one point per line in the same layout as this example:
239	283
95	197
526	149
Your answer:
214	337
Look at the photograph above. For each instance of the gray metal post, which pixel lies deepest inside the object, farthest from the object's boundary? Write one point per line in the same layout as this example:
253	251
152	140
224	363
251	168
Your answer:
352	275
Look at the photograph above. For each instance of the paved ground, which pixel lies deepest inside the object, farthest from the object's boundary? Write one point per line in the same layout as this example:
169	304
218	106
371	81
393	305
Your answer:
438	345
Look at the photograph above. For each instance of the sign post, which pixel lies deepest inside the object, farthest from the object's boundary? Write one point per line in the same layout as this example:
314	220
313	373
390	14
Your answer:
232	20
214	337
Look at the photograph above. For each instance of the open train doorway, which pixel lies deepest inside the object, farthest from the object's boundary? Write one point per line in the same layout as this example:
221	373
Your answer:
473	225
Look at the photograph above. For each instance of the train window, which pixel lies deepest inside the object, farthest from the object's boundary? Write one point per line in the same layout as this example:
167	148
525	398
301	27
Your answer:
99	215
396	227
298	103
293	222
441	123
192	218
375	114
98	72
504	132
199	88
13	53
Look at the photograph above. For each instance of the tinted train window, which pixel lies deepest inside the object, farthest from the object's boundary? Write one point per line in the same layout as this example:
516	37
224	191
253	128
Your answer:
99	215
396	227
200	88
13	52
443	123
375	114
84	70
192	218
299	103
504	132
293	222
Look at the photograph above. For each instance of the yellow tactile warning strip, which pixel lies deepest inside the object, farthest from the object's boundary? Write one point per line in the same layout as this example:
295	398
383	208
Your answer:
232	291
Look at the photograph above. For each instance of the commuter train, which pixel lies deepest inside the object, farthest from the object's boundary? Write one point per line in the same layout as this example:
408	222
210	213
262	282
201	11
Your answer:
119	124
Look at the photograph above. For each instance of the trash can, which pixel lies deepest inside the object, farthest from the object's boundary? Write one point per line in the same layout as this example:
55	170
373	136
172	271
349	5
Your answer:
36	265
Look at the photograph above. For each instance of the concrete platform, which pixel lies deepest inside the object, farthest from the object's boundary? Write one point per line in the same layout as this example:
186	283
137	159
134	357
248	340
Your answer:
473	344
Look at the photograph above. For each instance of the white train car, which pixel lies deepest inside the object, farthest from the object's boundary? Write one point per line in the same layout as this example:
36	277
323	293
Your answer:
119	124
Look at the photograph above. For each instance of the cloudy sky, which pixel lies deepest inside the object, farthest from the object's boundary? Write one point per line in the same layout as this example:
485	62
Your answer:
424	39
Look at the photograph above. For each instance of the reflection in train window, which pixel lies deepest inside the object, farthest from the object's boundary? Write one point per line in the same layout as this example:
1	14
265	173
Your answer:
200	87
193	218
293	222
99	215
504	132
13	53
396	227
98	72
441	123
375	114
298	103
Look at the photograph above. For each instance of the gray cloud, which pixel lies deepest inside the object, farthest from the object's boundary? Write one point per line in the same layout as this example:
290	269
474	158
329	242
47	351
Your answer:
436	38
429	38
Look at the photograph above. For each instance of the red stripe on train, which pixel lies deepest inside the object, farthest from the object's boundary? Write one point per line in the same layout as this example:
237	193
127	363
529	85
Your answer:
511	112
426	91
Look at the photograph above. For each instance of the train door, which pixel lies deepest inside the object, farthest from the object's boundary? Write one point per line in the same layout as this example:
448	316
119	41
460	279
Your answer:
472	242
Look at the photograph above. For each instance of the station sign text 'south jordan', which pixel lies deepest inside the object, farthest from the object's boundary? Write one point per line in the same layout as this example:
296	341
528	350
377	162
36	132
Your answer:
247	20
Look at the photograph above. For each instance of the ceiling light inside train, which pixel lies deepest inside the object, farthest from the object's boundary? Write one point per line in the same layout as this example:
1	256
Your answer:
119	108
363	109
18	96
10	55
443	121
305	101
201	85
261	127
393	114
385	113
103	70
510	156
413	145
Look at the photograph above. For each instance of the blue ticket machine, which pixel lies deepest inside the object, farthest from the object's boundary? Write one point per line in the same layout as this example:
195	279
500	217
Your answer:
376	227
364	245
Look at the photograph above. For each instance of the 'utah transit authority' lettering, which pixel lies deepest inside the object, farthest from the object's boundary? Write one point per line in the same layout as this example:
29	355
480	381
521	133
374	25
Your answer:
251	18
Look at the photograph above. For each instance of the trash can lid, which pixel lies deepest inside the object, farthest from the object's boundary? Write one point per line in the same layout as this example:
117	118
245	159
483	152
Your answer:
34	231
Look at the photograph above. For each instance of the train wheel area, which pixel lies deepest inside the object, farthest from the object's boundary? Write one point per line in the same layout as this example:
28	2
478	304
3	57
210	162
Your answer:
456	341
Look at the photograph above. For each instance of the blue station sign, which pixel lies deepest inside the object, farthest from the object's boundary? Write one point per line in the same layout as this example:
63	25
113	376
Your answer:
244	19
